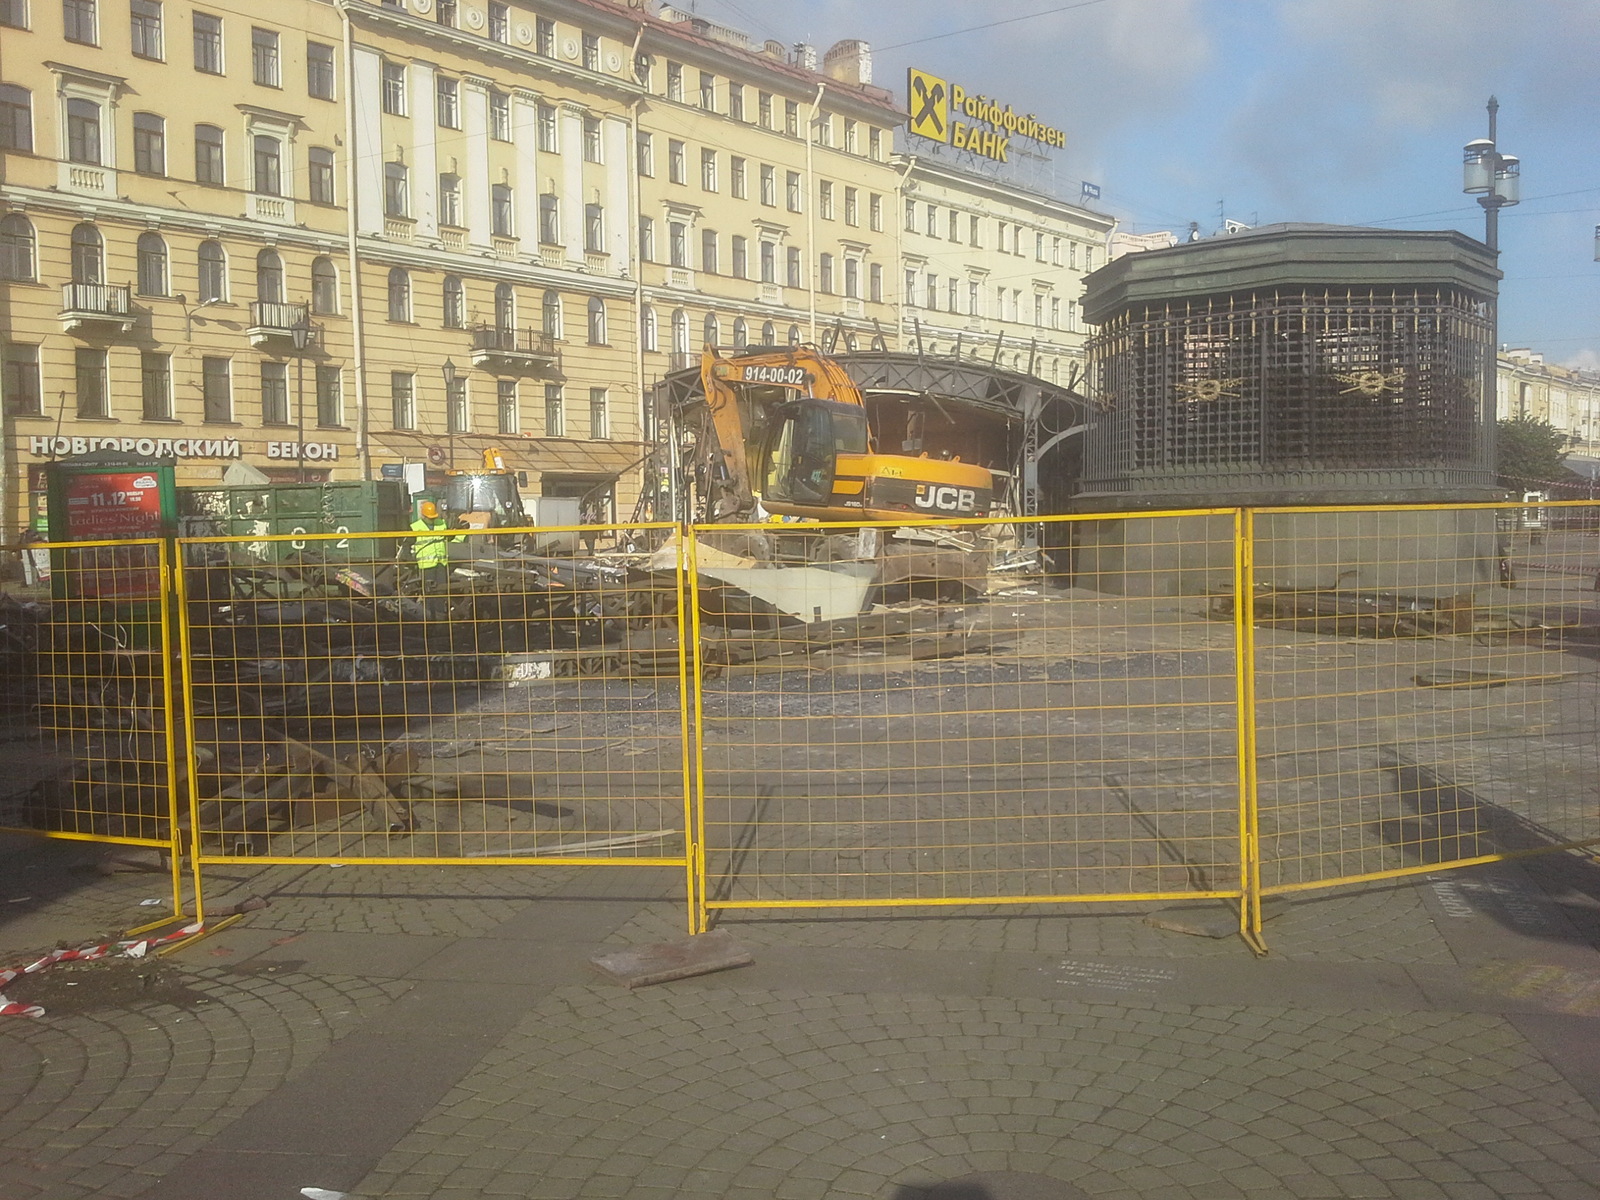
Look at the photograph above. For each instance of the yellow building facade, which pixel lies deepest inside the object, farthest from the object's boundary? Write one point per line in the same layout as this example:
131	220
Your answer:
326	237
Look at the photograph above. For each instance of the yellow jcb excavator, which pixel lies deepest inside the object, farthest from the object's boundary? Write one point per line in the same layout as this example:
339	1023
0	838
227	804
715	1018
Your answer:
793	430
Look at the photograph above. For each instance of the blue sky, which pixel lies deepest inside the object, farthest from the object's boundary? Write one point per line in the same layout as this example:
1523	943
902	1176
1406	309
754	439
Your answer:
1348	111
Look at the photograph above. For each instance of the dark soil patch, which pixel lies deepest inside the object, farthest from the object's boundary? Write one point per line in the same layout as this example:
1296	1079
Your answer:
128	983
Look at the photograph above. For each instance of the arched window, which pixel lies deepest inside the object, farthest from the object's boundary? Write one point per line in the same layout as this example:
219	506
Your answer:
850	341
680	332
741	334
597	321
713	330
213	272
648	333
152	265
455	303
269	277
551	309
88	254
505	307
324	286
794	335
399	294
17	249
769	334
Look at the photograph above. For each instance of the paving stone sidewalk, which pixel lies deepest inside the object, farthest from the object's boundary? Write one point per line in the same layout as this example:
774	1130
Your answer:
437	1032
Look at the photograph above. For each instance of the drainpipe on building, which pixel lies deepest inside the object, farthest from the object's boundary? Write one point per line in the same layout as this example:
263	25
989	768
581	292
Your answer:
352	255
810	201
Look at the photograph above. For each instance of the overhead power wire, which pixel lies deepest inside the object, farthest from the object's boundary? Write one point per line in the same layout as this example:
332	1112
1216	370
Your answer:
994	24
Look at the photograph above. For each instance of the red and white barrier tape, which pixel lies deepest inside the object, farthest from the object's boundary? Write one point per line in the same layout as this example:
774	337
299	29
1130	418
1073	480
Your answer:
131	948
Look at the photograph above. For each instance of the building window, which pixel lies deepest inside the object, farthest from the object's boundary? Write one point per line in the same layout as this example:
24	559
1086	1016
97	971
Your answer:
274	393
931	293
555	417
500	210
1055	252
822	130
597	321
544	42
155	383
769	186
852	206
550	314
447	102
933	221
791	117
269	277
320	162
708	251
769	334
450	200
216	386
825	200
677	161
549	219
649	335
456	414
738	183
850	137
646	153
591	52
149	144
324	287
740	265
951	294
20	385
674	81
875	144
736	101
708	170
455	303
330	397
677	244
1055	312
269	165
319	71
764	109
80	23
794	335
793	274
208	158
93	393
549	135
741	333
505	307
911	216
875	212
14	13
973	238
16	118
680	333
508	420
825	275
793	190
17	244
403	399
499	116
88	254
708	91
207	43
499	21
875	283
712	330
213	263
394	89
594	228
83	132
447	13
910	298
591	139
599	416
265	66
852	278
396	192
399	294
973	298
145	23
769	262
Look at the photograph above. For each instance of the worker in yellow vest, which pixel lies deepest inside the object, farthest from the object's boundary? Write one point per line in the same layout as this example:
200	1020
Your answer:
432	552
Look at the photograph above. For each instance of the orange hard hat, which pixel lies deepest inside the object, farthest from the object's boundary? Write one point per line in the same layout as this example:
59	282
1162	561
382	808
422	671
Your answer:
429	509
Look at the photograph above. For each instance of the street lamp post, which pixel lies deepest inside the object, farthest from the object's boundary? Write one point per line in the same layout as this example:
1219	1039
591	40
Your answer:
1495	179
449	408
301	332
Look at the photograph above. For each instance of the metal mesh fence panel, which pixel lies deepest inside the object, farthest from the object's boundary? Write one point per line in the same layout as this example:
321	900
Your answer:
908	716
442	696
87	701
1426	685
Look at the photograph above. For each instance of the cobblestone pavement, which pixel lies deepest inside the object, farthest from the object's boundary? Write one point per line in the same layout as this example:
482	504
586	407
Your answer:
437	1032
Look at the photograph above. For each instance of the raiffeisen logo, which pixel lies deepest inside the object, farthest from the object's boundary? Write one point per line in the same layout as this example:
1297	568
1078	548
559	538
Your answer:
937	107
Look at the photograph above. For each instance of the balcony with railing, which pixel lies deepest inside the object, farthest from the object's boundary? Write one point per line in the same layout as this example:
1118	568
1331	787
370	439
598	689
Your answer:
506	348
96	308
274	322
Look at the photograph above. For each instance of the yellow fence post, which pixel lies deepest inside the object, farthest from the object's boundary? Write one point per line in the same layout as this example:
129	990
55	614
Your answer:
192	798
688	565
167	559
1244	588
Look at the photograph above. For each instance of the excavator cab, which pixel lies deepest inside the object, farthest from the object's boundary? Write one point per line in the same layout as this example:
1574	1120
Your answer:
799	459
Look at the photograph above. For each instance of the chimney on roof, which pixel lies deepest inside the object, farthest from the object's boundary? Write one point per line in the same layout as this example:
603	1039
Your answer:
775	49
805	56
849	61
